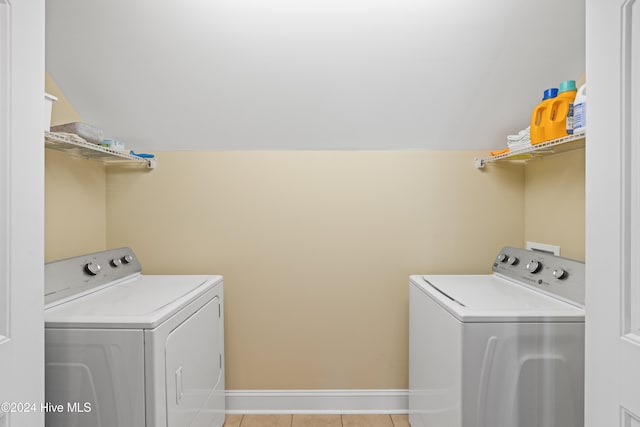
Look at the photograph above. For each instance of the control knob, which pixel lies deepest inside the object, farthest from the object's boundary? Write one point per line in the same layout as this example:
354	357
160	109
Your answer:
534	266
560	273
513	260
92	268
127	259
502	258
116	262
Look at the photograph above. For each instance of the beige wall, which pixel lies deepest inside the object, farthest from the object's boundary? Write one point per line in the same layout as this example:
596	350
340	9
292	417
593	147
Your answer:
75	206
554	202
315	248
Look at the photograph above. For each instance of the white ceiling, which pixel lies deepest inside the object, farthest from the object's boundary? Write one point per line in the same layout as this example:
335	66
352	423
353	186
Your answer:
311	74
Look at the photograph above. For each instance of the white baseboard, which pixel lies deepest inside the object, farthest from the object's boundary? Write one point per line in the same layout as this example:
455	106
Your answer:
317	401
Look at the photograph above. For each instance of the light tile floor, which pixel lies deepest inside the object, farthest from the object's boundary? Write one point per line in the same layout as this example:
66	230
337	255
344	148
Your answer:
304	420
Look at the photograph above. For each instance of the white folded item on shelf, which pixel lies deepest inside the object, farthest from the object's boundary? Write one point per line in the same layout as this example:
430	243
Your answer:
519	145
524	133
521	140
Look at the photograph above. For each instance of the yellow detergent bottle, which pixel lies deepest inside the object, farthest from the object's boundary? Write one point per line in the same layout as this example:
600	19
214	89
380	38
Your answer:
560	121
540	116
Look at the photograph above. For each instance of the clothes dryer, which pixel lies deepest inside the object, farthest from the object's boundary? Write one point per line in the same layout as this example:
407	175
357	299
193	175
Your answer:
132	350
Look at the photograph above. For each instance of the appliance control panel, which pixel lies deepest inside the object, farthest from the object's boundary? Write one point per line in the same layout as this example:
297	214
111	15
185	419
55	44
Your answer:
559	277
65	278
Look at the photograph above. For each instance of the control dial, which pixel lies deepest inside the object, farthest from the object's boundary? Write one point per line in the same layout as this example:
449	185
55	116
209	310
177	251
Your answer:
127	259
502	258
116	262
92	268
513	260
534	266
560	273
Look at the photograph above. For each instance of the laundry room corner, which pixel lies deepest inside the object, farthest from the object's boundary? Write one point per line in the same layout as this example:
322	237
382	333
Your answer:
272	221
315	173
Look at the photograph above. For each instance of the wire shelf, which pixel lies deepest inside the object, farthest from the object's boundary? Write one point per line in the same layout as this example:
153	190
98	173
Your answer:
554	146
76	146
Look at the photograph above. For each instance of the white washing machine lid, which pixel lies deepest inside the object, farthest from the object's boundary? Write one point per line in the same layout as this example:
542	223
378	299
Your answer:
135	302
492	298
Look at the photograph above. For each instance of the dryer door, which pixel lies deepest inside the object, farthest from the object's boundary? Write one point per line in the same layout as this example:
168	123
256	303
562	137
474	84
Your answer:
194	366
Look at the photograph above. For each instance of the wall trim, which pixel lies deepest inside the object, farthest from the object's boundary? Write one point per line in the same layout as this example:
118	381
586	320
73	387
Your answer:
317	401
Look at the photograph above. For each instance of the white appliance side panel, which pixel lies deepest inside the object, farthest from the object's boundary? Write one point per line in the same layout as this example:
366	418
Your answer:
97	376
523	374
198	340
212	414
193	365
435	363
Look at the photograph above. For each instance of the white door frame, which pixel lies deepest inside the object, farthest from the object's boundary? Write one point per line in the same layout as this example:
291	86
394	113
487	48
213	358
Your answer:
21	213
612	381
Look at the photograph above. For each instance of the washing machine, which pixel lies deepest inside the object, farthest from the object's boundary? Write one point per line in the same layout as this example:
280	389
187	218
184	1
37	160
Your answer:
131	350
499	350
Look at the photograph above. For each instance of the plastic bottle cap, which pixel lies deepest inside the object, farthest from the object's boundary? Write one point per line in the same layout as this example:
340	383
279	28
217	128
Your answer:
567	85
550	93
